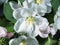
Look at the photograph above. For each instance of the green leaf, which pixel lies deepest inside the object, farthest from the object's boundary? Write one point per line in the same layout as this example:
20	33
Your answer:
21	1
10	28
8	12
51	42
4	41
50	17
55	4
59	42
3	22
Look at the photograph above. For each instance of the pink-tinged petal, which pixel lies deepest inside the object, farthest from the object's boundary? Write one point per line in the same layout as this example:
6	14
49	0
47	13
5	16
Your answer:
44	24
53	32
48	29
53	29
3	32
44	34
9	35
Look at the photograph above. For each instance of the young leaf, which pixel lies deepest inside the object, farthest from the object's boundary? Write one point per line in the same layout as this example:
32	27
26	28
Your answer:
8	13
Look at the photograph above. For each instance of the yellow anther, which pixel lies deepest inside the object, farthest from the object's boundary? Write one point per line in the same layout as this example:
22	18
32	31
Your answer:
23	43
38	1
30	20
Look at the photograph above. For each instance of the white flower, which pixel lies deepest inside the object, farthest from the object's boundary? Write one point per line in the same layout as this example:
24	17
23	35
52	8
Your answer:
27	25
57	19
3	32
40	6
30	29
28	21
23	40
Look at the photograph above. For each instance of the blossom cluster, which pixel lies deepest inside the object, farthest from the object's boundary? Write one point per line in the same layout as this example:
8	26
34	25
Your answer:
30	21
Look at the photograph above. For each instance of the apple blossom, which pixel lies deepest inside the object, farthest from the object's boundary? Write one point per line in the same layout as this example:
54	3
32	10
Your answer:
23	40
3	32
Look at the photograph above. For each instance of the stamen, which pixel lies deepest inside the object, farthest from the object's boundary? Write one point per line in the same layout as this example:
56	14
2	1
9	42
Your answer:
38	1
23	43
30	20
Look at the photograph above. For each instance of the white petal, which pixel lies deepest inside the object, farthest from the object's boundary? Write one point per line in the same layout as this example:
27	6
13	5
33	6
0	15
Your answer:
53	32
24	28
48	2
25	4
17	24
36	32
29	1
31	41
58	23
14	41
22	12
59	8
53	29
48	29
43	34
41	9
31	29
11	42
49	6
14	5
44	24
3	32
19	3
20	38
26	12
17	41
16	14
55	26
38	19
57	19
55	22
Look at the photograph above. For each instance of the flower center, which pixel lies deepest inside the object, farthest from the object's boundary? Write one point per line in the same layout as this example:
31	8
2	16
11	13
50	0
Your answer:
23	43
38	1
30	20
